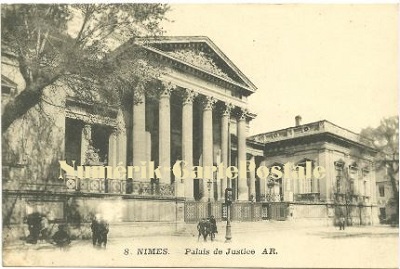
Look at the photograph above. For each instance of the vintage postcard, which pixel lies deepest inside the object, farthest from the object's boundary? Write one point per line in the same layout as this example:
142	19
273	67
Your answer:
200	135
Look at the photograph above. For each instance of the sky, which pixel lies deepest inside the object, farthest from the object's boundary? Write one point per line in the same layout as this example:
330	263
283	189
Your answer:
333	62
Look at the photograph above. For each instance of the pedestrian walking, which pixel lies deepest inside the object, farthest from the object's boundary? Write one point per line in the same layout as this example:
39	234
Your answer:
342	222
95	230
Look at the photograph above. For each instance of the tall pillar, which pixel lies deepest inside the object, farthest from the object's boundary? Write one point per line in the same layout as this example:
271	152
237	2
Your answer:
121	139
85	141
243	189
139	133
208	146
112	149
252	187
187	138
225	150
263	182
148	147
164	133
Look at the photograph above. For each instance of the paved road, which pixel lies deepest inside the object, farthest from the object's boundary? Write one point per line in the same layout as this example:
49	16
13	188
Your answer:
286	245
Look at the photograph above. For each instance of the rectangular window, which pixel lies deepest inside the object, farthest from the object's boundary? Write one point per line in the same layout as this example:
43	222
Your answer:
73	137
382	191
5	90
382	213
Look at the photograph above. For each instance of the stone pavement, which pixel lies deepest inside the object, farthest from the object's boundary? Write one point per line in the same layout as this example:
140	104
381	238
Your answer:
290	245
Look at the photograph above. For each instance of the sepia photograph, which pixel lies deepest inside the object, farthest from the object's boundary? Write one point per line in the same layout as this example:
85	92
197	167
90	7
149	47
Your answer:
235	135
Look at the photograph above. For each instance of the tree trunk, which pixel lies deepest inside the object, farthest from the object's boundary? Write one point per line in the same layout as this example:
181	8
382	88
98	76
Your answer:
18	106
393	181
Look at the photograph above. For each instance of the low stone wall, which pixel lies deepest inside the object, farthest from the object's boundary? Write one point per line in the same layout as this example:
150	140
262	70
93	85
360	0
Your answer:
146	214
328	214
82	207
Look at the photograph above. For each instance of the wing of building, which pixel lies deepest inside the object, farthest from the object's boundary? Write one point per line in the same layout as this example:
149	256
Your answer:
348	187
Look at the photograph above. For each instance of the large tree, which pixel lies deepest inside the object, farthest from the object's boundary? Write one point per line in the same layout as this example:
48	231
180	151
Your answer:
386	140
71	44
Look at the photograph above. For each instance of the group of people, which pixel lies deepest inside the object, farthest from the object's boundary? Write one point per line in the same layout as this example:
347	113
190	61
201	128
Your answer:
207	227
100	229
39	229
38	226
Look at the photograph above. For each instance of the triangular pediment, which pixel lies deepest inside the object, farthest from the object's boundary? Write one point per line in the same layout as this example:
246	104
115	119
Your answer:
201	53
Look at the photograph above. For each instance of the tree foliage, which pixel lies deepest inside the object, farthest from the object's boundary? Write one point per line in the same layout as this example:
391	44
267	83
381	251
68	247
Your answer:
71	44
386	140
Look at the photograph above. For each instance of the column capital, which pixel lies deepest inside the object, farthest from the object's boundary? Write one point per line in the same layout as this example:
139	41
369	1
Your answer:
208	102
226	109
167	88
188	96
87	131
139	94
242	113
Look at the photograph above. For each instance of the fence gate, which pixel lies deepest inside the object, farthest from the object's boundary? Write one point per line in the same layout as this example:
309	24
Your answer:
277	211
194	211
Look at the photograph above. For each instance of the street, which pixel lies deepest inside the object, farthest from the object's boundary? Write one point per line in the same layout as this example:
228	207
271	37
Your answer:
261	244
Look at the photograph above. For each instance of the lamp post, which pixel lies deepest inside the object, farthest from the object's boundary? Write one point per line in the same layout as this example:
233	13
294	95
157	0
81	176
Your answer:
228	201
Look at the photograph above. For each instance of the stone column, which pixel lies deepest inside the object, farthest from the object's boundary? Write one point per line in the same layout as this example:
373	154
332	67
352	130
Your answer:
252	187
85	141
112	149
315	185
208	145
139	133
187	138
164	133
225	150
148	147
263	182
121	139
243	189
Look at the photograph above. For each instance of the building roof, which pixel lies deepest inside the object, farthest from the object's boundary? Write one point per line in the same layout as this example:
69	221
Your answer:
198	53
310	129
5	81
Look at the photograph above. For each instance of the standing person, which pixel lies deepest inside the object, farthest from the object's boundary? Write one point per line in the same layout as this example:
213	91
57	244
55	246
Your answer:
202	229
214	228
342	222
103	229
33	222
95	230
214	224
44	228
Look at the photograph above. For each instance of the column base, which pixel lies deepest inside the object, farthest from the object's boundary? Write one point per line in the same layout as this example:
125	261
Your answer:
179	189
204	199
243	197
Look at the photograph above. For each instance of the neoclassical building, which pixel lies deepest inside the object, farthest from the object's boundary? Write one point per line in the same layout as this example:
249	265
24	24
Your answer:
196	111
348	187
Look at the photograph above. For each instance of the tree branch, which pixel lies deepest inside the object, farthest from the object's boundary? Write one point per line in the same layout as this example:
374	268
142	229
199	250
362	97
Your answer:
88	13
18	106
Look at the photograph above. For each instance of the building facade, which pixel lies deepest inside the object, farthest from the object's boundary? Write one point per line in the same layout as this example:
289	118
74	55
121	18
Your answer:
385	197
347	159
196	111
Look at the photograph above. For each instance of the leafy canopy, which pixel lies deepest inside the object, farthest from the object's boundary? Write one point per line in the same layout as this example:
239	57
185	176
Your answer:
71	44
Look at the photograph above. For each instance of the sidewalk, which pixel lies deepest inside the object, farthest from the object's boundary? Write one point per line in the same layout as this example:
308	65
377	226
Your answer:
295	247
240	231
